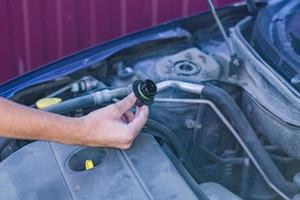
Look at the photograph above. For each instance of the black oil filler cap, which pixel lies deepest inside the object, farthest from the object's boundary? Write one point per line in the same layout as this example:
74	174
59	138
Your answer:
144	92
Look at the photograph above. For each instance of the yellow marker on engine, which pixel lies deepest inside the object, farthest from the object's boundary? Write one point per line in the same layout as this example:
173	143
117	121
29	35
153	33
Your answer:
89	164
46	102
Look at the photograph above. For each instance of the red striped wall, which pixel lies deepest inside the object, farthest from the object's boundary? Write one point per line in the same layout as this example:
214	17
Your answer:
34	32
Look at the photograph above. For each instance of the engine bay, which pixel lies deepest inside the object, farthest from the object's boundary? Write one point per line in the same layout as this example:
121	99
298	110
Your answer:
116	174
220	127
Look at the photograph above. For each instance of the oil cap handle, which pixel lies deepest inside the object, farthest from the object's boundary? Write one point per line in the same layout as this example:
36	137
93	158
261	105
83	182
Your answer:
144	92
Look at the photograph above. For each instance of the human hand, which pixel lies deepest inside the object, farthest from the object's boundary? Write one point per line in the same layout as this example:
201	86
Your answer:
114	125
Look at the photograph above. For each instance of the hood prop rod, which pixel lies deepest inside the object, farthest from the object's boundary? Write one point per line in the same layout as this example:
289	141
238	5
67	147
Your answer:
235	62
221	28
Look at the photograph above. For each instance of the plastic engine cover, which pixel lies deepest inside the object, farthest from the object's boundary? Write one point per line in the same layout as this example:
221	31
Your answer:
45	170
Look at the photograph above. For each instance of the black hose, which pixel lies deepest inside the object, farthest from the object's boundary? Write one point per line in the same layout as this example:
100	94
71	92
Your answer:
169	136
185	174
72	104
231	110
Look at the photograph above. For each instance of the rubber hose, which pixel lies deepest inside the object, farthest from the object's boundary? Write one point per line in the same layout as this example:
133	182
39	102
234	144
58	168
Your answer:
231	110
186	175
170	136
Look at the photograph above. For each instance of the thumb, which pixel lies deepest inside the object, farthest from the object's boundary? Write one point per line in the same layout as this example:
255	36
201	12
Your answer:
125	104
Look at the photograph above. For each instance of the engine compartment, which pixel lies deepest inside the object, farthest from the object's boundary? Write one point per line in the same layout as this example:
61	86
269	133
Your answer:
237	126
55	171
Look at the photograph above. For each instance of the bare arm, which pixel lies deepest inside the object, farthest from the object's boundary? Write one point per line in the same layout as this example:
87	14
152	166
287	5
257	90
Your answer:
103	127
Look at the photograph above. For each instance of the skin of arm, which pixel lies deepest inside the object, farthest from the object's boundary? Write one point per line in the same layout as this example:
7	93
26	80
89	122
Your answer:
112	126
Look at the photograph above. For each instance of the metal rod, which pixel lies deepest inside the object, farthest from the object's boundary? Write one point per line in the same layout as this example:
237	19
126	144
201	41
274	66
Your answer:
233	131
219	24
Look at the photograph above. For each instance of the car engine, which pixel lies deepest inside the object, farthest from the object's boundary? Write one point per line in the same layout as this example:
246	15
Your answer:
224	124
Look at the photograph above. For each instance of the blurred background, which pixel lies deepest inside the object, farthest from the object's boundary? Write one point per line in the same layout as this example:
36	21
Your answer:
35	32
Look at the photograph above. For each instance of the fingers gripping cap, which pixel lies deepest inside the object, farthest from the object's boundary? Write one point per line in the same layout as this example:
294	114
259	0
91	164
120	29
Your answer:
144	92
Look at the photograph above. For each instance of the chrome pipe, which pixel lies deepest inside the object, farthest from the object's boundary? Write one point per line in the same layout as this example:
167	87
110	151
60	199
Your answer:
184	86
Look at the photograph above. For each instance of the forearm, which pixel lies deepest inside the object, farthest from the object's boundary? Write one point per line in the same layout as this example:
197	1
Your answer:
17	121
112	126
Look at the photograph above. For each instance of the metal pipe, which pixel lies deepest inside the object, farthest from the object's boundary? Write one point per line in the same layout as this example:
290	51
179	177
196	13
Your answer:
4	142
235	134
184	86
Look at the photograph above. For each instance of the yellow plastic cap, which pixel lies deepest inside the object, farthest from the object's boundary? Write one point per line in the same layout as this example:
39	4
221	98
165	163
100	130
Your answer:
46	102
89	164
